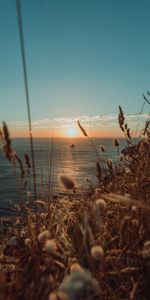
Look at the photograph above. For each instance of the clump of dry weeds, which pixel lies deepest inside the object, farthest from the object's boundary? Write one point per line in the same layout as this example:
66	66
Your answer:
93	247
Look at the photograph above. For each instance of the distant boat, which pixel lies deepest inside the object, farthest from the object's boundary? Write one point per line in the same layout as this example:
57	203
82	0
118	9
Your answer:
72	146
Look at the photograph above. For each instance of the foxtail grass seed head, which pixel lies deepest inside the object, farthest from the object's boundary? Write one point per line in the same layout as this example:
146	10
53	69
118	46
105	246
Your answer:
146	250
98	191
127	171
134	208
17	222
109	163
102	148
50	246
22	233
100	205
116	143
67	182
121	157
28	243
75	267
43	236
97	253
147	245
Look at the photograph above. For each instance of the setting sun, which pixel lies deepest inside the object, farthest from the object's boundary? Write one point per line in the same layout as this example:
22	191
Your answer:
71	132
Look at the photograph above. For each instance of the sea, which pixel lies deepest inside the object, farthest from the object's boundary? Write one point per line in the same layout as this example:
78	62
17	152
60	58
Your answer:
73	157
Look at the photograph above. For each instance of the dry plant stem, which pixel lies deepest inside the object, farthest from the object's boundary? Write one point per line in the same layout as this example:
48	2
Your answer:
93	146
20	26
50	170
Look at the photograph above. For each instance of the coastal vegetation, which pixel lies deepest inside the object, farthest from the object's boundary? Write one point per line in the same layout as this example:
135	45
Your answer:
92	246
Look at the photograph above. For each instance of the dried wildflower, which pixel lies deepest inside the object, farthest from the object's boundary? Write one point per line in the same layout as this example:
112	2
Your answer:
75	267
102	148
97	253
78	285
121	157
109	163
43	236
98	190
50	246
67	182
116	143
100	205
17	222
147	245
127	171
28	243
22	233
134	208
146	250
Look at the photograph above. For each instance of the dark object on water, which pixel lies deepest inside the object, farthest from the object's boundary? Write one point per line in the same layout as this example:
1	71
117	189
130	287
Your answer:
72	146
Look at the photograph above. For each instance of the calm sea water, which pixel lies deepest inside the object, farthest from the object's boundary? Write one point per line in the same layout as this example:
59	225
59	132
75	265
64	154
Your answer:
77	162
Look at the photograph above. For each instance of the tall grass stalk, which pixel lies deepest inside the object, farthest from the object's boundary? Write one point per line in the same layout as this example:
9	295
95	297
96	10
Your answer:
22	46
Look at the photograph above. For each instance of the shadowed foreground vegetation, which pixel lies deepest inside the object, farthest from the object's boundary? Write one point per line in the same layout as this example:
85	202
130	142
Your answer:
96	246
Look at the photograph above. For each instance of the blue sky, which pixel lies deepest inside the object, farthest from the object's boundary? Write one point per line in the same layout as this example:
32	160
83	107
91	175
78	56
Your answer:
84	58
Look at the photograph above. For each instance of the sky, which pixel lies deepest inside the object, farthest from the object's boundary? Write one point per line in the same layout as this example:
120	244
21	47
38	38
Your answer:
84	58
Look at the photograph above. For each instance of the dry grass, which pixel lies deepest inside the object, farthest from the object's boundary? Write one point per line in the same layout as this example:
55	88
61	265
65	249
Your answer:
93	247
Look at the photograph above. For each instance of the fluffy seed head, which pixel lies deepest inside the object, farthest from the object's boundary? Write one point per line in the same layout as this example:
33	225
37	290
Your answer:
97	253
75	267
102	148
50	246
28	242
121	157
100	205
147	245
109	163
43	236
67	182
128	171
116	143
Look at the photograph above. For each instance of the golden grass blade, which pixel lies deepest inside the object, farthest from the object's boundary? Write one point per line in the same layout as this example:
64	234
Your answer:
124	200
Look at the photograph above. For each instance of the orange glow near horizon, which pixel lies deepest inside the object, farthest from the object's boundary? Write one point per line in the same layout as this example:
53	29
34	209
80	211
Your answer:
68	132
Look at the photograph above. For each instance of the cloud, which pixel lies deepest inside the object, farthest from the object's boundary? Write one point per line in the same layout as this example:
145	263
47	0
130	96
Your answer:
109	120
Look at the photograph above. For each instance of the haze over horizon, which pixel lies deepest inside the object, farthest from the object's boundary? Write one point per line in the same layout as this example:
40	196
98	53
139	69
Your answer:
84	58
